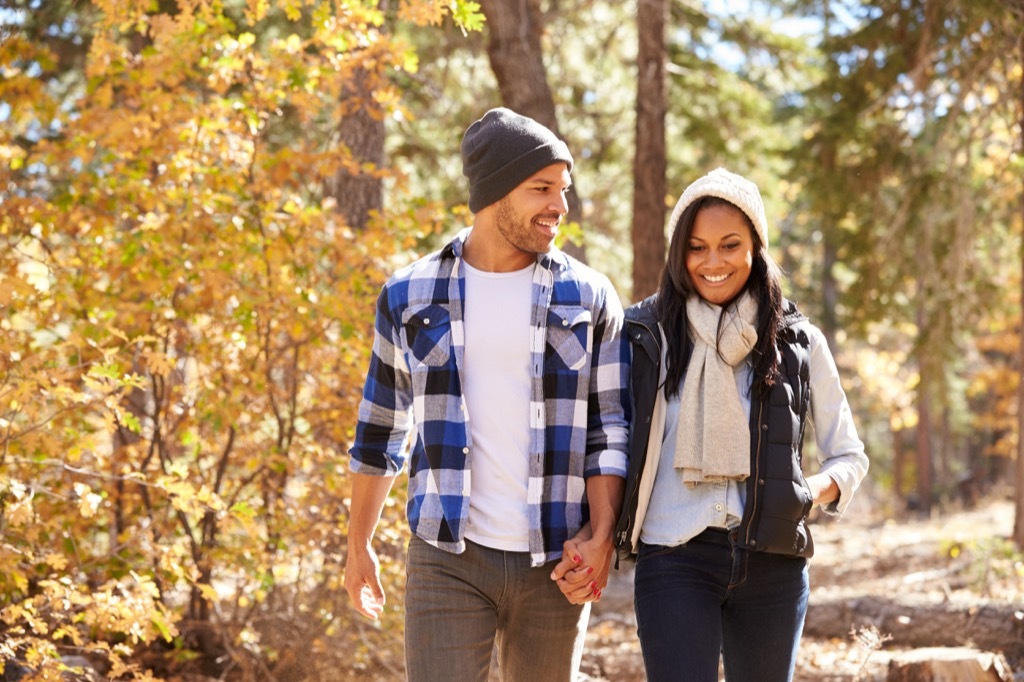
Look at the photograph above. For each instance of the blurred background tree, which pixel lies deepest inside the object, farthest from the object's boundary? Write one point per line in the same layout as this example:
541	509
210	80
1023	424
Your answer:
201	199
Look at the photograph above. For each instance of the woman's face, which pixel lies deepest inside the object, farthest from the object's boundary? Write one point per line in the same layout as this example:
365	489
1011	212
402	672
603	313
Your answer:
720	253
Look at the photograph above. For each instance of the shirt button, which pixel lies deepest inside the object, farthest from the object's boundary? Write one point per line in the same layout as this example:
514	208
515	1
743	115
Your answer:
465	451
718	507
426	320
565	323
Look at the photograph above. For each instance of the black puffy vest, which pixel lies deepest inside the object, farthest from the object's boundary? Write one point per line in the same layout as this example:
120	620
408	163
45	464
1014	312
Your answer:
778	499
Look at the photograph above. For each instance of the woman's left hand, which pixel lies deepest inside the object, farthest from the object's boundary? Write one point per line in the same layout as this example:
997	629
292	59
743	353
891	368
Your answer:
824	489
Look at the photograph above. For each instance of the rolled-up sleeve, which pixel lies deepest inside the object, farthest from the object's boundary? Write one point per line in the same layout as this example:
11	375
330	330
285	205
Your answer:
607	428
385	418
840	449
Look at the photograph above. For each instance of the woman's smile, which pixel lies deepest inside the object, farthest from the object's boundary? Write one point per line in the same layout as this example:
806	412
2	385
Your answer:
720	254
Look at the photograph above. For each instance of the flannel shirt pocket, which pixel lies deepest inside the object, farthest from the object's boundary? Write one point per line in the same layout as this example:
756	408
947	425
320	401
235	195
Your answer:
567	337
428	335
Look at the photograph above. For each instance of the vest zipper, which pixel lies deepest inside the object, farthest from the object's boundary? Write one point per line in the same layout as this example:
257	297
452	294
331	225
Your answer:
757	470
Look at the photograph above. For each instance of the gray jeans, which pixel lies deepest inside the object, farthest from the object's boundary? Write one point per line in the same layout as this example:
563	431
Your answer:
457	606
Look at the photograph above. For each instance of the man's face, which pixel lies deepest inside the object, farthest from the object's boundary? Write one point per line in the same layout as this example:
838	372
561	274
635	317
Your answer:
528	217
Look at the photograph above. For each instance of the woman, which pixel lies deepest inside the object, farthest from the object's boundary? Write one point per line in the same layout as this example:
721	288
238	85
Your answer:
724	374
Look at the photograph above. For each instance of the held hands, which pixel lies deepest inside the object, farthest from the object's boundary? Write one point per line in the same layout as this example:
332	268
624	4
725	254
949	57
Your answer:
582	573
362	581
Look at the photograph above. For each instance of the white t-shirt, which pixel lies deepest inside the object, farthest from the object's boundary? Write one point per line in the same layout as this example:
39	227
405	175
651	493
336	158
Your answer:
496	387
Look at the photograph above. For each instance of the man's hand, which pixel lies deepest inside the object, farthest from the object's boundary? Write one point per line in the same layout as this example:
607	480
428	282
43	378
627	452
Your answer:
362	570
362	581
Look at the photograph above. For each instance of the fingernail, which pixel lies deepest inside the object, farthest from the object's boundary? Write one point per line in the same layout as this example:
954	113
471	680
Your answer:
590	569
593	586
577	558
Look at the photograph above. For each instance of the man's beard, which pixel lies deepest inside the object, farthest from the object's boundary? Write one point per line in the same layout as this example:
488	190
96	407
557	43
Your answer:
518	231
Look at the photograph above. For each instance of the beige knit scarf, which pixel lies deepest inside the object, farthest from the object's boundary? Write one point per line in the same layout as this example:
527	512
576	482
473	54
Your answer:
712	440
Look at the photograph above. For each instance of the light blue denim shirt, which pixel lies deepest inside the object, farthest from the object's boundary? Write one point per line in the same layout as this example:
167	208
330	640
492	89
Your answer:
676	512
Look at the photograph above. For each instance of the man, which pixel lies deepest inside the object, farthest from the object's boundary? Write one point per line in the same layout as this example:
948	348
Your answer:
500	354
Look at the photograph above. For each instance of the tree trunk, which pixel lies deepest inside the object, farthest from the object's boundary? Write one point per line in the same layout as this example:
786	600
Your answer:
925	418
944	477
516	57
923	490
829	286
1018	526
649	162
827	158
899	458
361	134
514	30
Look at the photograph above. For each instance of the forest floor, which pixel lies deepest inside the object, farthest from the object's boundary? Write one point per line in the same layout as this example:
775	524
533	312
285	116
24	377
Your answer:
960	560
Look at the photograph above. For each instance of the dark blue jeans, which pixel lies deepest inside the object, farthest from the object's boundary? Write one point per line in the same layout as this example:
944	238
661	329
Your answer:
709	597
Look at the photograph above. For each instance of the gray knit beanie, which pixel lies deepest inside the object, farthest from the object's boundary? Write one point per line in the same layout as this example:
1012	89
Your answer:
735	189
503	149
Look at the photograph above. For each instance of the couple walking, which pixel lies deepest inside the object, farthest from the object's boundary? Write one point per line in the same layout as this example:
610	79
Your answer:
552	431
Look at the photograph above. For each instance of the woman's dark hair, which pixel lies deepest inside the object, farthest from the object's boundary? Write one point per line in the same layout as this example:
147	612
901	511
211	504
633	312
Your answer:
765	285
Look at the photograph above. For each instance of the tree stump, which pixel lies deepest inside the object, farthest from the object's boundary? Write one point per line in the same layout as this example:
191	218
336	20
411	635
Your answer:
940	664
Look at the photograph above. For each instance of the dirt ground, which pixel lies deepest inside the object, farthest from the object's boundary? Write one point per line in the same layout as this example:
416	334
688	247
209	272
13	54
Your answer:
961	559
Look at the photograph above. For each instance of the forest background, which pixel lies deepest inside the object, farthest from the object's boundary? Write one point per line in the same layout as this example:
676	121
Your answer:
199	200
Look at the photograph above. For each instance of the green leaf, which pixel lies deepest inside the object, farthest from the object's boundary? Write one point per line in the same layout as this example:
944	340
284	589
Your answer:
131	422
467	15
162	626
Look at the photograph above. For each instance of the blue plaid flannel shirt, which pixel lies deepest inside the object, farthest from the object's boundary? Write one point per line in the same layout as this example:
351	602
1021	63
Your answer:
578	427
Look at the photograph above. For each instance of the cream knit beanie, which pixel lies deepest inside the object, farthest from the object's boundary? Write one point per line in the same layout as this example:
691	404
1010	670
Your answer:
735	189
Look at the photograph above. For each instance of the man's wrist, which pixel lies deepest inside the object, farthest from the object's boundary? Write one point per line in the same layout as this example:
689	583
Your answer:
356	546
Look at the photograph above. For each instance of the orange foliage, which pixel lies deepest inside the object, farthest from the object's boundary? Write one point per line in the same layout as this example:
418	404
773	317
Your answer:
185	323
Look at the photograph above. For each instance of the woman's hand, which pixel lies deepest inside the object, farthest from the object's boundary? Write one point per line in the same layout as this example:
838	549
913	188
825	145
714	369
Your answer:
582	573
824	489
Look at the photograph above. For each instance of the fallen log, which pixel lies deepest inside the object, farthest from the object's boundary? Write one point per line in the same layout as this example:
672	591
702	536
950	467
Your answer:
911	624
